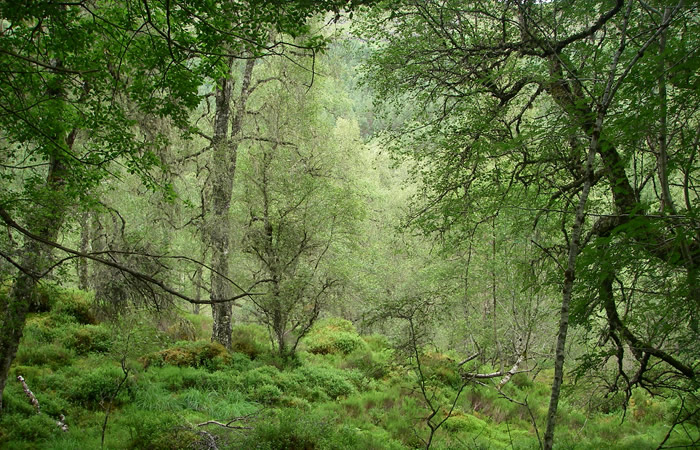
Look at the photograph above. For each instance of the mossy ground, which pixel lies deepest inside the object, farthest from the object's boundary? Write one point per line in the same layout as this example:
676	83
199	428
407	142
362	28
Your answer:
344	391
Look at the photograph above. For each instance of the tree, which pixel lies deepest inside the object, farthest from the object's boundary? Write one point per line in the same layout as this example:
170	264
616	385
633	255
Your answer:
300	207
73	77
548	103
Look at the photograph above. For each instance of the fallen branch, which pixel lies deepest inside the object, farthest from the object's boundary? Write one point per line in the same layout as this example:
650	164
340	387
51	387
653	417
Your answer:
229	425
30	394
61	422
513	370
225	425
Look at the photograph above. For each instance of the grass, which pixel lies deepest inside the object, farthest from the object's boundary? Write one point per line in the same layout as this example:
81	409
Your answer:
349	395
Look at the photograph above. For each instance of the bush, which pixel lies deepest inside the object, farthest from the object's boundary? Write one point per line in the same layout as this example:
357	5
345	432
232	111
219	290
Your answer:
334	336
372	364
332	382
158	431
181	329
267	394
52	355
291	429
191	354
90	338
44	297
39	328
251	340
33	428
93	387
74	306
260	376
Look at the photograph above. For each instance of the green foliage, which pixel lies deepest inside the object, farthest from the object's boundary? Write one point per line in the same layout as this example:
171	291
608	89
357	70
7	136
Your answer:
291	429
157	430
267	394
251	339
74	306
334	335
92	388
192	354
335	383
90	338
53	355
27	428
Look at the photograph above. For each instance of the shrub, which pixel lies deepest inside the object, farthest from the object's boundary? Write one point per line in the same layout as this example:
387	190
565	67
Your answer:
331	381
334	336
260	376
33	428
372	364
267	394
39	328
181	329
158	430
74	306
52	355
201	324
44	297
90	338
291	429
92	387
441	367
192	354
250	339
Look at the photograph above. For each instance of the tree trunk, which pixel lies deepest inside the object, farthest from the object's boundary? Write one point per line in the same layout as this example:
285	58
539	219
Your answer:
83	276
223	168
14	308
569	277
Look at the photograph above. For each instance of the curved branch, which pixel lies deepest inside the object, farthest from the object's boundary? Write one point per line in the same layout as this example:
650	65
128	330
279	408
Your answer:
136	274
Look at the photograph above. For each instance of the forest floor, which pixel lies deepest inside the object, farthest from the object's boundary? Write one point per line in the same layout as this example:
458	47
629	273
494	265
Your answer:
151	383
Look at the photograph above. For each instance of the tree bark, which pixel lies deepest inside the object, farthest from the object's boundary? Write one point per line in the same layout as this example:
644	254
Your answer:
223	168
83	274
14	308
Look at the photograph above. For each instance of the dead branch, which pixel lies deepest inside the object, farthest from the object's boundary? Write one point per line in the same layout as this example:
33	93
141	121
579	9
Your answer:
30	394
226	425
513	370
61	422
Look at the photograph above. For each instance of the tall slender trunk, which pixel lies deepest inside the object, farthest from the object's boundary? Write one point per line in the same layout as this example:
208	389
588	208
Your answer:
46	223
83	275
198	288
223	168
569	277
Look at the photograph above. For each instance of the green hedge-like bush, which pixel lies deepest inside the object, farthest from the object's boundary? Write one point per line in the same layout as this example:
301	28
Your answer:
335	383
334	336
52	355
193	354
93	387
90	338
250	339
74	306
291	429
40	328
157	430
267	394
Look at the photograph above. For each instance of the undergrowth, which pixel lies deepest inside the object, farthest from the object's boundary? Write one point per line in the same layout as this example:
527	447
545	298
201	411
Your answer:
345	391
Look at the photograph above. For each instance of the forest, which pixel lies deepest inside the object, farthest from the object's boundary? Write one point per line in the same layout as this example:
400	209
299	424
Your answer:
349	224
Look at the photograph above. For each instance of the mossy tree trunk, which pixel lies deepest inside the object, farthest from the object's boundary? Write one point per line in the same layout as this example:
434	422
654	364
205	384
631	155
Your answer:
45	223
223	168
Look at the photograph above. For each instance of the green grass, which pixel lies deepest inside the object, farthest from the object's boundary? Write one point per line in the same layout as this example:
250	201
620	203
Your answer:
347	396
